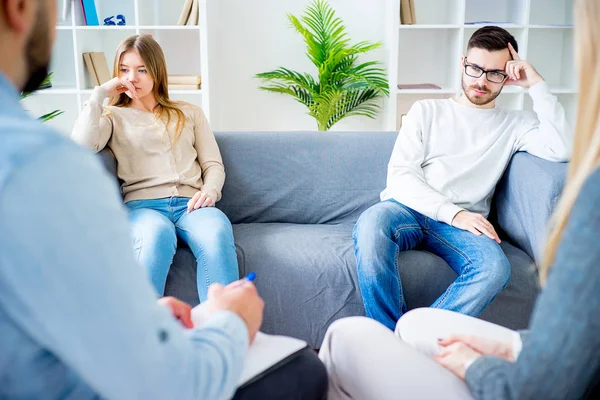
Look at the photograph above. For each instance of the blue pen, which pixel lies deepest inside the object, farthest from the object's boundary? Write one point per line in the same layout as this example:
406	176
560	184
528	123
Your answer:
248	278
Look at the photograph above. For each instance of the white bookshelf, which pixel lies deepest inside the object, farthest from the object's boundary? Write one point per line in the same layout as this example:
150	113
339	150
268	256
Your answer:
236	39
542	28
72	85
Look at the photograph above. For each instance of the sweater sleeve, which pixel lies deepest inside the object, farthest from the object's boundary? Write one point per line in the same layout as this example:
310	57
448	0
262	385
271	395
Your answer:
405	178
561	353
549	137
93	128
209	156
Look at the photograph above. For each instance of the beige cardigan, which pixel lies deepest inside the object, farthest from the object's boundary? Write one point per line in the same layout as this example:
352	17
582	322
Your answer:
149	162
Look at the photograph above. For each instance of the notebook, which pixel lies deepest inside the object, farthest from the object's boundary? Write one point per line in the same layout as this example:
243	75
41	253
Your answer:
265	353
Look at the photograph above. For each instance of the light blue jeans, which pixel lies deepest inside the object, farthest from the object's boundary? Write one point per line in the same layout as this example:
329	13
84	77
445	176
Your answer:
389	227
158	223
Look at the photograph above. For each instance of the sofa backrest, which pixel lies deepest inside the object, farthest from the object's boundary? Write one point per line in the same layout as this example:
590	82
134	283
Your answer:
302	177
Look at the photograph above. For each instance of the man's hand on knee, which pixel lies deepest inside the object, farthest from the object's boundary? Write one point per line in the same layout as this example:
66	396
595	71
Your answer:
476	224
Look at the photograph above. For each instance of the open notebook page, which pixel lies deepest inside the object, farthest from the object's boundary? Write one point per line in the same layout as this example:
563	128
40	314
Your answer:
263	353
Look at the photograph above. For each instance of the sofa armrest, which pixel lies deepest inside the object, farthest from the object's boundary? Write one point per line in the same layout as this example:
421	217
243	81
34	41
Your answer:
525	199
109	161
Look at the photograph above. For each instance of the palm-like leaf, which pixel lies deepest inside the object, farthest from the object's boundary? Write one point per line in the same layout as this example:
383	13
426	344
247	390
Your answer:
343	88
53	114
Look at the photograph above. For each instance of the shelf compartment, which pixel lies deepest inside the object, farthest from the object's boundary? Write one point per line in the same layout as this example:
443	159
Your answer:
107	8
551	12
190	96
182	58
62	65
160	12
429	56
551	53
494	12
437	12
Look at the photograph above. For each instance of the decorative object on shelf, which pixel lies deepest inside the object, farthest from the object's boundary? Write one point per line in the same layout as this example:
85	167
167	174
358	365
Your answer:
407	12
345	88
120	20
97	67
409	86
189	13
47	83
90	16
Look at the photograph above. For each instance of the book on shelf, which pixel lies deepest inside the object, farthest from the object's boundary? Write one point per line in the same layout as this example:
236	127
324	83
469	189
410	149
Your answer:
184	80
90	15
408	86
407	12
190	13
194	13
184	87
97	67
185	12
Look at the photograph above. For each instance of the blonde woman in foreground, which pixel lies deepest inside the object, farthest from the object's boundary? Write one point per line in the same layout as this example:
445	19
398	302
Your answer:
444	355
169	162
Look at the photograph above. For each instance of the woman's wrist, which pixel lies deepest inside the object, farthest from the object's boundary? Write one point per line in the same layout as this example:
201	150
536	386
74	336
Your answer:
99	94
468	363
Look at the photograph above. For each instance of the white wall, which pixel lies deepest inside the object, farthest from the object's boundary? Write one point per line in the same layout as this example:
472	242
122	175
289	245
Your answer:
258	37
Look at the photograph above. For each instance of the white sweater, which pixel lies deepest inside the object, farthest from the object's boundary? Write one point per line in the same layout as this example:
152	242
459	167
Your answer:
449	157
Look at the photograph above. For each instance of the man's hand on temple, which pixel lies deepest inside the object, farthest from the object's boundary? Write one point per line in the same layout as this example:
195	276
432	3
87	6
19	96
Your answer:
520	72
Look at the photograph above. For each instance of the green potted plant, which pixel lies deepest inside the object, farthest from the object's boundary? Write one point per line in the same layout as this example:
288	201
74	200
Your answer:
47	83
344	87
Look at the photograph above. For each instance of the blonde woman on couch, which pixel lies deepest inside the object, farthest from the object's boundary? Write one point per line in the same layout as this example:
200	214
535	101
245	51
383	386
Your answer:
558	358
169	163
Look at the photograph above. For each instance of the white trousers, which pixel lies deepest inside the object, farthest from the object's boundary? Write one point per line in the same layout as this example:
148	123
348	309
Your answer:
366	361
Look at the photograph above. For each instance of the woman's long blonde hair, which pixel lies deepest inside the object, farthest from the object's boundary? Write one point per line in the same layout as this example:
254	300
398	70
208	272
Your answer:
586	147
154	60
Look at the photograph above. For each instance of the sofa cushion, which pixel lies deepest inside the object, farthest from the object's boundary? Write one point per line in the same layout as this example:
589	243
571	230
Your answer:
308	274
302	177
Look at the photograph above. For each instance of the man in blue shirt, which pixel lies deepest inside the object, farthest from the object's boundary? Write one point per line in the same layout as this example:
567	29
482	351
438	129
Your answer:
78	319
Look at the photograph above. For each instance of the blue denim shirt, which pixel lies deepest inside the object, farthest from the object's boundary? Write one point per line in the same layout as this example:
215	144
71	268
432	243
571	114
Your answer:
560	358
78	318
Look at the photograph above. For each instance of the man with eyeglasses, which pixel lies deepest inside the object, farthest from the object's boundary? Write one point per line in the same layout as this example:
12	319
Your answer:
447	160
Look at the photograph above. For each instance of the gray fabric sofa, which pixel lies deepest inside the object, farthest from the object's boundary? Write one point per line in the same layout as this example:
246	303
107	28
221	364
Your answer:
293	198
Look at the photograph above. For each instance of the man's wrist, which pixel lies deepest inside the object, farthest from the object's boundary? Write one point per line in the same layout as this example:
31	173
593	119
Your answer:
535	80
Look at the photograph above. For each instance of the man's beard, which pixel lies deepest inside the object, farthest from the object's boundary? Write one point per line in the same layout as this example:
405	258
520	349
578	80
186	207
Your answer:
38	51
479	100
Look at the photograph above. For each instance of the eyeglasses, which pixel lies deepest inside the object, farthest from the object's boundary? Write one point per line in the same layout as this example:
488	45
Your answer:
474	71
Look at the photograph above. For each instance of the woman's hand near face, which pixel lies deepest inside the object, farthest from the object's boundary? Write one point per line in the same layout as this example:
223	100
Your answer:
117	85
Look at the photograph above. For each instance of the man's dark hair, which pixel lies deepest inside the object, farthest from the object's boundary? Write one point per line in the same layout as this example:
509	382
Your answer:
492	38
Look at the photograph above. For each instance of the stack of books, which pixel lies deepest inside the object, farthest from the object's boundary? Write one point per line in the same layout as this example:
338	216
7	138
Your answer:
407	12
97	67
184	82
190	13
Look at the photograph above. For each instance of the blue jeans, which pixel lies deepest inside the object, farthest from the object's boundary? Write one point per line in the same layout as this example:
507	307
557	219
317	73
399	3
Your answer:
389	227
157	224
